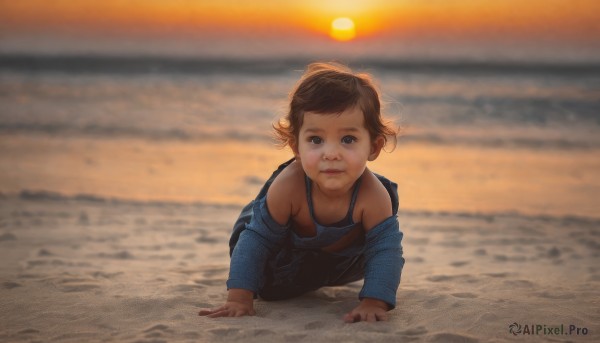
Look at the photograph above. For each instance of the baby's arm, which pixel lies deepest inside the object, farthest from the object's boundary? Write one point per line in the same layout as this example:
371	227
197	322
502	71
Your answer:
262	236
383	255
383	267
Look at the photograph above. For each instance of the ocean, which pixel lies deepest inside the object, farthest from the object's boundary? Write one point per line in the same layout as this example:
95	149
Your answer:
486	138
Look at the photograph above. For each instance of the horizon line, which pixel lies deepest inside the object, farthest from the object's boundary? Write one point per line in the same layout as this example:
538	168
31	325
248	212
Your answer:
154	63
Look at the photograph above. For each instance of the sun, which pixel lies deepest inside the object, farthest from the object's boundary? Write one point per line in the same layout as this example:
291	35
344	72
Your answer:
342	29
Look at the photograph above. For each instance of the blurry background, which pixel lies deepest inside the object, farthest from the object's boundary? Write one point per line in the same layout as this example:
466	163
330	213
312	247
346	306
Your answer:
173	100
535	30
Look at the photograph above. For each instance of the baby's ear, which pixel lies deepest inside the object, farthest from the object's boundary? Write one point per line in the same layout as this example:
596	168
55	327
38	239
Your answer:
294	146
376	147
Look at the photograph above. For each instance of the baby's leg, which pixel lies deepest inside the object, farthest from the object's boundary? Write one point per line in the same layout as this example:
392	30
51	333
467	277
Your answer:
348	269
297	272
288	275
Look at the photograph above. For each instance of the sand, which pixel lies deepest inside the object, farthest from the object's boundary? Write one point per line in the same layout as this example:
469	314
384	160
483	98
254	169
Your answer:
85	269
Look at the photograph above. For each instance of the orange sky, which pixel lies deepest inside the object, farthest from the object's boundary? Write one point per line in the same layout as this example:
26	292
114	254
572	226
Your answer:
574	17
458	20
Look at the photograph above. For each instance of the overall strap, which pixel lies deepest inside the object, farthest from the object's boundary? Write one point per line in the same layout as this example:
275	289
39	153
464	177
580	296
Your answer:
348	217
308	184
353	200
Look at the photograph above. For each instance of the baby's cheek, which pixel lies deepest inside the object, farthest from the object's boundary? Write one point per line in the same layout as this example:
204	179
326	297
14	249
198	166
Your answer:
310	162
357	158
312	157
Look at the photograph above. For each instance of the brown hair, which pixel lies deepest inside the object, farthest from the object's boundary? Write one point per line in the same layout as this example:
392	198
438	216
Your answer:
331	88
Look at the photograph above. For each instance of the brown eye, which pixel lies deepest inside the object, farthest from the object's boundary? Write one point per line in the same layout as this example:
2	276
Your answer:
348	139
315	140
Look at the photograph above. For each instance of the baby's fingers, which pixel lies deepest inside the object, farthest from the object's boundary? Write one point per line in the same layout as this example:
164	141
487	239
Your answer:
225	311
382	317
206	312
222	313
352	317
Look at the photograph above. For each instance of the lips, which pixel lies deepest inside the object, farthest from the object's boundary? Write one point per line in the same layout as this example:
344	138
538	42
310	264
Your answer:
332	171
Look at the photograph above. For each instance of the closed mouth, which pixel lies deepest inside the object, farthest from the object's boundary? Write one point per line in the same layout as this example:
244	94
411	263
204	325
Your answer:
332	171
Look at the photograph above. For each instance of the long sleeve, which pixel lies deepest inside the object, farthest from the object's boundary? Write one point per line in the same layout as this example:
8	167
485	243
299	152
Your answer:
383	262
261	237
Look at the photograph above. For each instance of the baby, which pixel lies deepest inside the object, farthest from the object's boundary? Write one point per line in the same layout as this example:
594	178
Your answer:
323	218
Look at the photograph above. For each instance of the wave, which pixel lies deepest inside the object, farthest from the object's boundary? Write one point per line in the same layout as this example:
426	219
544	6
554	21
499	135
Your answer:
501	142
101	64
562	108
431	138
50	196
92	130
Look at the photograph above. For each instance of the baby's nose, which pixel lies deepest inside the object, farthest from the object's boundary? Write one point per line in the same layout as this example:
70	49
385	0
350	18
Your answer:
331	152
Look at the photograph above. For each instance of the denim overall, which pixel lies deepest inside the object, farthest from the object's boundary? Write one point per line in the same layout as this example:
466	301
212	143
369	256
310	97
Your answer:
294	264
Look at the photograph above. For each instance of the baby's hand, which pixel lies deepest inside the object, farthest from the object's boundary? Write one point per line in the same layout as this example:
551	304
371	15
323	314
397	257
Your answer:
240	302
369	310
230	309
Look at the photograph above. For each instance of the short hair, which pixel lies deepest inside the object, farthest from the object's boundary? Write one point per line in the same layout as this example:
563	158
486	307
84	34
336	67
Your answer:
331	88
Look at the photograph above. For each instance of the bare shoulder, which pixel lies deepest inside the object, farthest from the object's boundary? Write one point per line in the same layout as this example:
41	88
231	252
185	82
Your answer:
283	194
374	201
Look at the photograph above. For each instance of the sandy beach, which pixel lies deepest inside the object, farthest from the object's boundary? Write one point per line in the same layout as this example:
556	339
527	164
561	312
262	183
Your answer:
118	192
84	269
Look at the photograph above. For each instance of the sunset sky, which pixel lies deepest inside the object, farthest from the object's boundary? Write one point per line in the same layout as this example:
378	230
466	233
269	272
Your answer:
509	28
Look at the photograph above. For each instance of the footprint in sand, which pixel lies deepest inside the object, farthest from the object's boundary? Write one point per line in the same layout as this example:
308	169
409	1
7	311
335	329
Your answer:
418	331
102	275
28	332
556	295
191	335
159	328
42	263
294	337
84	219
452	338
465	295
7	237
69	285
441	278
504	258
186	288
553	253
500	258
415	259
215	271
498	275
263	332
418	241
594	277
154	335
121	255
453	244
10	285
44	253
224	332
519	284
314	325
218	282
27	335
205	239
435	302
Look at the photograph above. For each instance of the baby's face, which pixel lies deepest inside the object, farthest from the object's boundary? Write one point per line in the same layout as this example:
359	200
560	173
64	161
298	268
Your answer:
334	149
